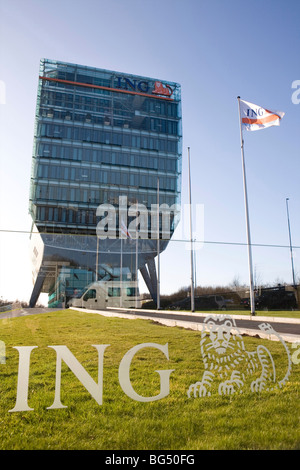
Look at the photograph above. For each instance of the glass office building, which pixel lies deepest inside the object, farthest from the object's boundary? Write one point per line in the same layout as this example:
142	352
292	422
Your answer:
100	135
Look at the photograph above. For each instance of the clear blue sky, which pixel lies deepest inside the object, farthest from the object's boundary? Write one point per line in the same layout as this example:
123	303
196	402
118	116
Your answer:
216	50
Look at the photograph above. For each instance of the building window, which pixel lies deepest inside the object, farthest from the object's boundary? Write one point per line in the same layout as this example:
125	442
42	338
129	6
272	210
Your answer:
90	294
114	292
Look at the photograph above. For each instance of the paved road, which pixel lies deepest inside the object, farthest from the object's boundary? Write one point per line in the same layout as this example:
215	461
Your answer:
289	327
20	312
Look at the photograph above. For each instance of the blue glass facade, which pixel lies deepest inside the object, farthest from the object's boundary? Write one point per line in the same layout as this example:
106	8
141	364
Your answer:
99	135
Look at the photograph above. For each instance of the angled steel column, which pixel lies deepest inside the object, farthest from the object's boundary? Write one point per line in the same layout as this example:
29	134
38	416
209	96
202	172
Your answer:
149	275
37	288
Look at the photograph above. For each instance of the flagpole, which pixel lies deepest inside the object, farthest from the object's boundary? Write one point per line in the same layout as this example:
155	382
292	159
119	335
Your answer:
191	235
158	259
195	272
121	271
290	237
136	263
252	300
97	255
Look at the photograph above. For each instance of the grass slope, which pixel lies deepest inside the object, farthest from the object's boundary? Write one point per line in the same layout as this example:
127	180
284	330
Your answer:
266	420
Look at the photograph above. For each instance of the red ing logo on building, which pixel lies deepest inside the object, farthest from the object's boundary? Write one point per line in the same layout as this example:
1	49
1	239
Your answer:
160	89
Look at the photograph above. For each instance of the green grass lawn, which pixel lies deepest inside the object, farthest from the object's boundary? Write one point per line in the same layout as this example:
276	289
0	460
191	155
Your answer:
264	420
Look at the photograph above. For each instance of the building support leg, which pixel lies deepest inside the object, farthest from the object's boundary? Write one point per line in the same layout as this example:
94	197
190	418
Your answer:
149	275
37	289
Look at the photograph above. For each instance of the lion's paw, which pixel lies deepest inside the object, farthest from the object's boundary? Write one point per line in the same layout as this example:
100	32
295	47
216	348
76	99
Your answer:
258	385
201	389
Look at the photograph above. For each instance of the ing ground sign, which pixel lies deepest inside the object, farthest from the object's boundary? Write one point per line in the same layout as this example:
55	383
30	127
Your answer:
224	355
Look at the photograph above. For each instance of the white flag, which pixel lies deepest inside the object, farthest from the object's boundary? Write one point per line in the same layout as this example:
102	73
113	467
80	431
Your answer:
254	117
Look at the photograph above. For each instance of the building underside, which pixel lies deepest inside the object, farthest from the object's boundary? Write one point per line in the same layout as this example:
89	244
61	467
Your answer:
105	259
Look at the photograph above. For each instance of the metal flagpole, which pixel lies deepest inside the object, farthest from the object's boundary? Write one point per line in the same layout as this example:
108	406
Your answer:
121	271
252	300
291	249
158	260
195	272
191	234
97	255
136	265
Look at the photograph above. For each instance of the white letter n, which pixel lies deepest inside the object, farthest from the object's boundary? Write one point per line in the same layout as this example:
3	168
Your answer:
95	389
